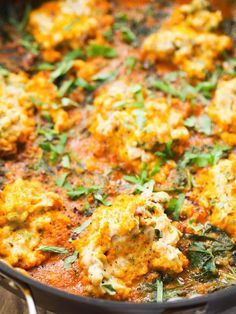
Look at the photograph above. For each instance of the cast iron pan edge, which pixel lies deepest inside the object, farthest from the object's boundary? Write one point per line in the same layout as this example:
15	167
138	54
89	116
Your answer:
60	301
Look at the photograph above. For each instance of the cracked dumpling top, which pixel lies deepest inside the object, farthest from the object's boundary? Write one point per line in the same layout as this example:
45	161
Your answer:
19	95
188	41
127	240
68	22
29	216
215	193
131	122
16	122
222	110
198	15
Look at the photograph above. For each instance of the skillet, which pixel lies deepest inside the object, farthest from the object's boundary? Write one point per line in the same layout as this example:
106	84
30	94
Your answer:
59	301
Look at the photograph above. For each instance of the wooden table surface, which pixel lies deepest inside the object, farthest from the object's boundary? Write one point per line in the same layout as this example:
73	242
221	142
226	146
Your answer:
10	304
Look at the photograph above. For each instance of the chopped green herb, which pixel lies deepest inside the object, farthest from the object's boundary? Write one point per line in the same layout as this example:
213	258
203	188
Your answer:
175	206
27	41
46	116
102	198
21	25
207	87
128	35
130	63
66	64
83	226
74	54
67	102
159	297
167	153
79	191
53	249
66	85
36	101
54	144
209	250
202	124
44	66
108	288
108	34
167	88
84	84
156	168
142	182
60	182
95	50
3	71
105	76
140	118
173	76
61	69
70	260
65	161
203	159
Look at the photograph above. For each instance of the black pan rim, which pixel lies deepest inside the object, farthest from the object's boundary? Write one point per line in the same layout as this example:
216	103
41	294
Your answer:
196	301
